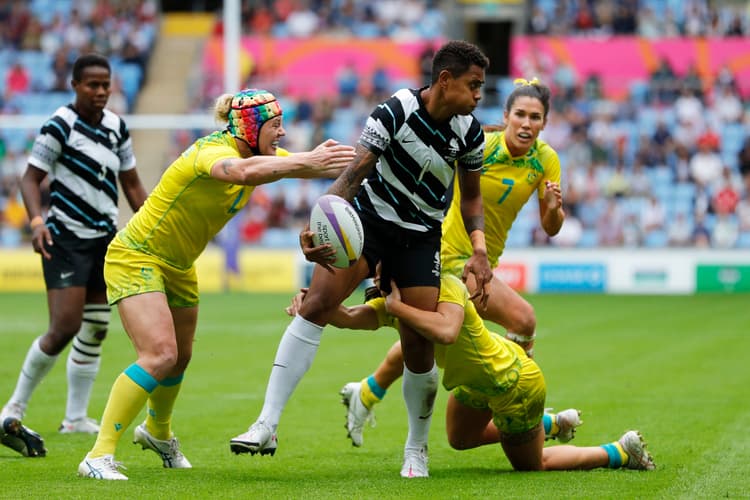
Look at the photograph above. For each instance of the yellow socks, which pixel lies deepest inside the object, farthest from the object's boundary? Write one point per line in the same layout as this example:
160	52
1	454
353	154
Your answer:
370	392
160	406
127	397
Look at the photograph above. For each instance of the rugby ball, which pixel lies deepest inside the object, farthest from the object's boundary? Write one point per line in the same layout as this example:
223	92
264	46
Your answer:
333	220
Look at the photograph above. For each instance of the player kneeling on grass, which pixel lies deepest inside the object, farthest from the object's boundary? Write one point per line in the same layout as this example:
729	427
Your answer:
498	392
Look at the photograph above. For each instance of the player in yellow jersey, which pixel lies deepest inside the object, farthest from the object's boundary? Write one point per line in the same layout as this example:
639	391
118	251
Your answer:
149	267
517	166
498	392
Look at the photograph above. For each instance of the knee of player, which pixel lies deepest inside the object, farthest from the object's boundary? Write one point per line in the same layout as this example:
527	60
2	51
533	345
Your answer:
55	340
525	321
183	360
163	355
319	307
457	442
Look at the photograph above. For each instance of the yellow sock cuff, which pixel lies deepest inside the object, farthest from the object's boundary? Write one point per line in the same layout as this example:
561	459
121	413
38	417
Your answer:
554	428
623	456
369	398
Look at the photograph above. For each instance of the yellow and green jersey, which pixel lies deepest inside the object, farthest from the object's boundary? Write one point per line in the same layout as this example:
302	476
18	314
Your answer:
188	206
479	359
507	184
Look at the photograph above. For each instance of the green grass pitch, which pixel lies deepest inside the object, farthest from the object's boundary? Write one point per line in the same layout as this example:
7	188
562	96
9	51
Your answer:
675	368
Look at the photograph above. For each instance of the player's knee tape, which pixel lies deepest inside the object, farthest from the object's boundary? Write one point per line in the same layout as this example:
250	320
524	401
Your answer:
87	344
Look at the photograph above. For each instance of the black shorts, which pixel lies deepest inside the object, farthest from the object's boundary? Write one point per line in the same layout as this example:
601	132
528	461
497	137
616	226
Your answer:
410	258
76	262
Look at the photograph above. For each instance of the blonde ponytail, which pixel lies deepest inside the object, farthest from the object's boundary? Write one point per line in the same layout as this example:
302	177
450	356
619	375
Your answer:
222	107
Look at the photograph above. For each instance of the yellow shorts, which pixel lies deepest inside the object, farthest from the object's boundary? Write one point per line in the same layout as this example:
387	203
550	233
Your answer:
129	272
453	264
518	410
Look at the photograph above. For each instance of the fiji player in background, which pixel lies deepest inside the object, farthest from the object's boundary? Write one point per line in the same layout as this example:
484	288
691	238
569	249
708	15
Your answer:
84	150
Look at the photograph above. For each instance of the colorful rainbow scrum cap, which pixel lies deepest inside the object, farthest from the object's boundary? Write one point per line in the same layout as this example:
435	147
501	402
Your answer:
250	109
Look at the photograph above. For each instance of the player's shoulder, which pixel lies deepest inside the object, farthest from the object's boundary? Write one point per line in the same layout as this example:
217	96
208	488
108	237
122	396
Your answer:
65	113
113	121
544	149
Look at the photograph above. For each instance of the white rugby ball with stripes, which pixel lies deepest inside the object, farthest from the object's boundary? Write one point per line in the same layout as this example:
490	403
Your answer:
333	220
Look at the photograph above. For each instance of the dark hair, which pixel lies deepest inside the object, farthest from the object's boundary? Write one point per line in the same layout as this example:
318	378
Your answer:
457	56
87	60
535	90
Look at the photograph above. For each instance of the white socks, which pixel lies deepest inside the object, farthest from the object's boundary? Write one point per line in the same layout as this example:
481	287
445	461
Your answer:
80	382
419	391
35	367
295	354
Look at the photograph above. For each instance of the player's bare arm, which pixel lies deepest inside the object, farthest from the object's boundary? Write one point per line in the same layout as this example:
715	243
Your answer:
441	326
133	188
472	213
350	179
551	211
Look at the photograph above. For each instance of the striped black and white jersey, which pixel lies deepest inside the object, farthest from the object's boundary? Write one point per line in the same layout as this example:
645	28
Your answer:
410	185
82	162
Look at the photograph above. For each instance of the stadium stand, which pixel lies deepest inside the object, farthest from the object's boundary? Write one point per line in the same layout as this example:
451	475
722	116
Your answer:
640	127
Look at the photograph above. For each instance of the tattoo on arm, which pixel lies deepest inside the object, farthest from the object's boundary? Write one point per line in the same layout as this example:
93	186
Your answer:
225	165
350	179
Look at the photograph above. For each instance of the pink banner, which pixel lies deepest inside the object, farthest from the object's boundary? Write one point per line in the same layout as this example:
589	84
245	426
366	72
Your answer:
310	67
621	60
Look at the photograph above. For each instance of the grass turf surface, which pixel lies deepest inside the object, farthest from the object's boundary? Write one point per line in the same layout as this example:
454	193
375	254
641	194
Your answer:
673	367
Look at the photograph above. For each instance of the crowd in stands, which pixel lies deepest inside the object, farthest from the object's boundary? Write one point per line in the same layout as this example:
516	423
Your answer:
669	166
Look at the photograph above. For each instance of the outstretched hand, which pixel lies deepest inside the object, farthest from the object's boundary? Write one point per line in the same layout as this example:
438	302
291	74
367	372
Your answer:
330	158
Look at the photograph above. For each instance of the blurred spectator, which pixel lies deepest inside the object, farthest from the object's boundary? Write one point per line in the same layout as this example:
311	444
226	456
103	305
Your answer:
579	149
692	82
706	165
680	163
680	231
76	34
688	106
726	193
662	141
278	214
725	232
701	237
640	184
18	21
302	22
632	236
648	24
618	183
743	213
625	17
348	83
61	71
610	225
727	106
653	216
570	233
539	22
663	82
17	80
